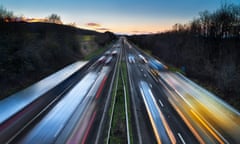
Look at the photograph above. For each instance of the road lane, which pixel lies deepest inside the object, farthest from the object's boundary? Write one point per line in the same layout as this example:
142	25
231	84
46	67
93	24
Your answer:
161	129
140	71
23	98
76	130
168	107
97	132
146	133
35	100
49	127
215	120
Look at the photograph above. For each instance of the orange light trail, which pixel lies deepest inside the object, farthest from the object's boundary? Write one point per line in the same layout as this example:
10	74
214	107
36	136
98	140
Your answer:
207	127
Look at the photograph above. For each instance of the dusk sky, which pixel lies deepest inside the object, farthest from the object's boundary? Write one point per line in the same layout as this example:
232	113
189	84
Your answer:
119	16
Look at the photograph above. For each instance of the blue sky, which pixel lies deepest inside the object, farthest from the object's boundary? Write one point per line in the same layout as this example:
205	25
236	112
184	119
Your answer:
120	16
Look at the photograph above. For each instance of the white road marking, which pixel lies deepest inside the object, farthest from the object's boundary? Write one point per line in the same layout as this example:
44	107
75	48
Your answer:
181	138
160	103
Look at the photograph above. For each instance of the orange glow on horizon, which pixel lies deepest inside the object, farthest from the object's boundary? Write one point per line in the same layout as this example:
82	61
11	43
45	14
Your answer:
30	20
131	29
117	29
36	20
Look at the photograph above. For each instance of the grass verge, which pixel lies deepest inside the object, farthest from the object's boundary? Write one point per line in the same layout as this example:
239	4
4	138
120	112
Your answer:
118	128
96	53
175	69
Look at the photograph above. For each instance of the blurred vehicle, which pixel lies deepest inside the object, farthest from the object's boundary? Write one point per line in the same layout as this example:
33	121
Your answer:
114	52
102	59
156	65
116	46
108	60
143	59
131	59
107	53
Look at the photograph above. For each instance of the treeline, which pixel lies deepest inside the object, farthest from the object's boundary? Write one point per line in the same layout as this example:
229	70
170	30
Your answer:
207	49
4	13
223	23
32	51
9	16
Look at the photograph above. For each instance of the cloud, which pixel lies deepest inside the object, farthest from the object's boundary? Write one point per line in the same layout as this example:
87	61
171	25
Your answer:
92	24
96	26
136	31
141	32
103	29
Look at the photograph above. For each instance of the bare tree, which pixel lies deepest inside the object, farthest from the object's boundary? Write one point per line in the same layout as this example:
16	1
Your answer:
54	18
195	26
4	13
179	27
205	19
224	22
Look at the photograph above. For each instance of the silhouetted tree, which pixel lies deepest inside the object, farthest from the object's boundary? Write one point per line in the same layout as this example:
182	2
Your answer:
205	20
222	22
179	27
5	14
195	26
54	18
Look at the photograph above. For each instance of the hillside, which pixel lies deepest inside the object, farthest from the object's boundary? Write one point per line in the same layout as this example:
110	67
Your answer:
211	62
32	51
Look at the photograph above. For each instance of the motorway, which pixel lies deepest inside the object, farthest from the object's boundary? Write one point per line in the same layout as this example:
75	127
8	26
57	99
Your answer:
64	112
188	112
73	107
174	129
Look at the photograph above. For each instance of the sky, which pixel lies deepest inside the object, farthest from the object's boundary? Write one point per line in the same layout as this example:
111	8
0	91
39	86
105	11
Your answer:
118	16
